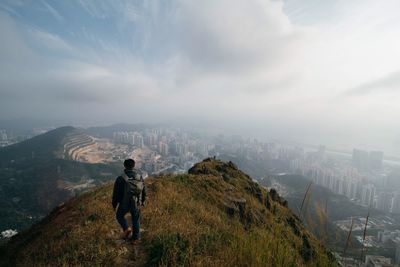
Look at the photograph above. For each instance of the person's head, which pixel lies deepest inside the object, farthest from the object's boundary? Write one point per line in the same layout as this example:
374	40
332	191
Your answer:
129	164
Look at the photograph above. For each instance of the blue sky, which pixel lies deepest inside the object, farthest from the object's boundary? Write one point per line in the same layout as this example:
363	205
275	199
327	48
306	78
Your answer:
303	70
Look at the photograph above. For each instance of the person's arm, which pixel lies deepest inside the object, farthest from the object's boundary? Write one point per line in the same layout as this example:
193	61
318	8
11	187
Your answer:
118	192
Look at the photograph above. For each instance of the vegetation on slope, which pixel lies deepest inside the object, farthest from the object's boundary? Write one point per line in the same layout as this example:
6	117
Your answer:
42	147
213	216
32	174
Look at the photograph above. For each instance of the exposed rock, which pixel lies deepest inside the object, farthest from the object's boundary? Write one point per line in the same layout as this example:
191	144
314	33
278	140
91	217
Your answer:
274	196
294	222
235	206
307	252
255	189
226	177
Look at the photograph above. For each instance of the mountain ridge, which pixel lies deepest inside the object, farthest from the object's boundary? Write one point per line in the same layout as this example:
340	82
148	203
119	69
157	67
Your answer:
43	146
215	215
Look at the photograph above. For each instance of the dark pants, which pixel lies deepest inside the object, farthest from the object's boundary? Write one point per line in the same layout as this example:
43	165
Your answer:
135	214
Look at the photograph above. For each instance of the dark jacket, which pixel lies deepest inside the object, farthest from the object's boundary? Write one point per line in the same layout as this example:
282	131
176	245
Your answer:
119	188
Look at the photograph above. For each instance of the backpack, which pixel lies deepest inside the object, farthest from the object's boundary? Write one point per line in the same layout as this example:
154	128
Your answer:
133	190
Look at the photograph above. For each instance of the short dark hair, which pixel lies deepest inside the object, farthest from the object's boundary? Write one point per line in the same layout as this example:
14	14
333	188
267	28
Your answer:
129	164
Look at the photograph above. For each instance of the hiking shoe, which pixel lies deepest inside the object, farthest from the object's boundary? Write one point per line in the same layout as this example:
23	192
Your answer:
126	233
136	242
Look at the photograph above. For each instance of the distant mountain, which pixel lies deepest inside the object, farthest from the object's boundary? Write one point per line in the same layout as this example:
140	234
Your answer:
213	216
38	174
46	146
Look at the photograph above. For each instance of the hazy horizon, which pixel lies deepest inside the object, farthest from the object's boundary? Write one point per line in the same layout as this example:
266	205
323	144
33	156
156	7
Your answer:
317	72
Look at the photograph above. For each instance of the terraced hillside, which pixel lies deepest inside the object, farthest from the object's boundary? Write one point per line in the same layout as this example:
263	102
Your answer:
75	143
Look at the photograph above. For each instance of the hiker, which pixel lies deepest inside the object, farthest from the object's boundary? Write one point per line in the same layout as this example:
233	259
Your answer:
129	195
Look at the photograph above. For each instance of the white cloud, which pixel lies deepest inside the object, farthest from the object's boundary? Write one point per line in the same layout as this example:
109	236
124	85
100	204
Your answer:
50	41
53	12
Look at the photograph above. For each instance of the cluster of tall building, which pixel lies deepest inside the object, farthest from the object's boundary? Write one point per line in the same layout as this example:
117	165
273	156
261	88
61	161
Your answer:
353	180
131	138
349	182
343	181
259	151
173	145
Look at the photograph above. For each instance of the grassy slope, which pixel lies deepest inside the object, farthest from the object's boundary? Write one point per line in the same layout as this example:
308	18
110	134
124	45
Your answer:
186	224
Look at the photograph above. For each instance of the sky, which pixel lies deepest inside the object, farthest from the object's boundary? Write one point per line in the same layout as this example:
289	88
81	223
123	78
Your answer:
318	72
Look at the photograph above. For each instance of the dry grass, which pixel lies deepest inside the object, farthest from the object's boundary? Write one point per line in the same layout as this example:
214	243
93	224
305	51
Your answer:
79	234
323	223
364	234
348	240
200	233
306	199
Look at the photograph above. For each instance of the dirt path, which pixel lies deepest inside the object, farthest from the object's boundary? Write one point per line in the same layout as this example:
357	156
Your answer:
129	255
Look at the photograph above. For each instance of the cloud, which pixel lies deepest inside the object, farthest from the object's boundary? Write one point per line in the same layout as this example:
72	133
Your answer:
53	12
181	47
390	82
49	41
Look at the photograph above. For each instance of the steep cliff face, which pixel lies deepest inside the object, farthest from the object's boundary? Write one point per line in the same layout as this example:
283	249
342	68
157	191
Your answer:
213	216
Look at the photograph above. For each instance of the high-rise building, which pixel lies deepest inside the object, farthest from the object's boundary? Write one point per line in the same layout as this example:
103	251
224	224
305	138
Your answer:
352	193
396	203
130	139
138	140
375	159
181	149
383	201
367	194
163	148
151	139
360	159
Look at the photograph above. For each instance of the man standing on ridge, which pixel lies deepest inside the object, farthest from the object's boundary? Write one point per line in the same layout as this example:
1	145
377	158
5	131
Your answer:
129	195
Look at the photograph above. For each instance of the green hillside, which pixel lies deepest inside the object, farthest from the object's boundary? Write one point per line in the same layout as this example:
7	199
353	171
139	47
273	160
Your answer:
213	216
42	147
35	175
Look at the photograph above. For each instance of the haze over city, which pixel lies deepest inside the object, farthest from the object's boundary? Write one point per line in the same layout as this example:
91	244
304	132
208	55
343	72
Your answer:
317	72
